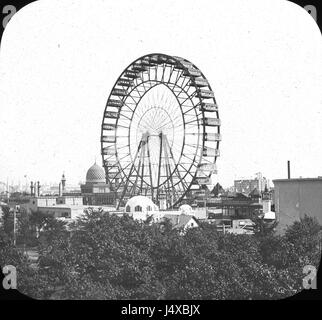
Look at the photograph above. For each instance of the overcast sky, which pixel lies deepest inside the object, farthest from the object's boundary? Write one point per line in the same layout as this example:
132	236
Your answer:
60	59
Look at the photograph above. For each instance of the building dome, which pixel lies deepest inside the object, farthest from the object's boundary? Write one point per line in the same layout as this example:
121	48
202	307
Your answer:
140	207
186	209
95	174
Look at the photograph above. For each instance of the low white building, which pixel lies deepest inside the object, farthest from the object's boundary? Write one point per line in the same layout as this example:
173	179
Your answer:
63	211
186	209
68	207
141	207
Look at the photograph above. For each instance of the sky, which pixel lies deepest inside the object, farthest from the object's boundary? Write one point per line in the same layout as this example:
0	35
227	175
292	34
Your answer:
60	59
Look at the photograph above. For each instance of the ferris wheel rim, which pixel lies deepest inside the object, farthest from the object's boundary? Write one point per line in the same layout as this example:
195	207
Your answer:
199	151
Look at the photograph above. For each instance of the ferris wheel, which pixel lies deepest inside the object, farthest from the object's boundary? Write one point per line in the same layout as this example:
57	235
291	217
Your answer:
160	132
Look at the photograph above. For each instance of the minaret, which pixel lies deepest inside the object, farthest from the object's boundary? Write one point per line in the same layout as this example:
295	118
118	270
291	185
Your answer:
63	182
38	189
31	188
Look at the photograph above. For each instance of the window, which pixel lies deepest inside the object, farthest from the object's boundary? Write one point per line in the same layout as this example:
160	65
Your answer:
138	209
149	208
128	209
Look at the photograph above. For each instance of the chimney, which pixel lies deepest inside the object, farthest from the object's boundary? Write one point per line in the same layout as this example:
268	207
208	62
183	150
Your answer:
288	170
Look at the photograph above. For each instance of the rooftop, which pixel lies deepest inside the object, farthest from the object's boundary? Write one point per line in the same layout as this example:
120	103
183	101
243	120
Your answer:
318	179
179	220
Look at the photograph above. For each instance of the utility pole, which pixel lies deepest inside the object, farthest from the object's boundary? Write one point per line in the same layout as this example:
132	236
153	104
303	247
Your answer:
8	190
26	183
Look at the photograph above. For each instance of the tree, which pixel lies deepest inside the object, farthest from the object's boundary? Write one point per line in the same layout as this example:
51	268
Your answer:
7	221
305	236
104	253
9	255
103	256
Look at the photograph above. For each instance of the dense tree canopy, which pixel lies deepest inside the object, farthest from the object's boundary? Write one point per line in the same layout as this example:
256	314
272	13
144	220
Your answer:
110	257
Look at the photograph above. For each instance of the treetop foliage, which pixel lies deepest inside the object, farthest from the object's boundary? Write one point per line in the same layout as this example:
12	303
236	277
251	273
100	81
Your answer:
109	257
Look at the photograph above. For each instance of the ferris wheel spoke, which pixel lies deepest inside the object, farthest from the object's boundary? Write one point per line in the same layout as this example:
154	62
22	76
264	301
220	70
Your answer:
189	97
123	115
143	84
140	94
192	121
187	171
183	86
169	122
194	148
158	116
127	155
155	116
194	162
193	108
180	179
164	121
132	97
126	105
145	123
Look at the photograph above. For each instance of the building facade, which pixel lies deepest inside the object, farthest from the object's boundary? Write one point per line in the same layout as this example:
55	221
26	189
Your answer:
247	185
295	198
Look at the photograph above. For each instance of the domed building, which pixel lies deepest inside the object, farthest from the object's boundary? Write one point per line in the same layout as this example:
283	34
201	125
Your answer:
96	191
95	174
186	209
140	207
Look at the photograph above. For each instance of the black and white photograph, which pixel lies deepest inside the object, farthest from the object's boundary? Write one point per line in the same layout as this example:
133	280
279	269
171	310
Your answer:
160	151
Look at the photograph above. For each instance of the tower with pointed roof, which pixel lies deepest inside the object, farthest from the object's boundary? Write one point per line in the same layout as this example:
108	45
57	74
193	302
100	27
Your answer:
63	182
